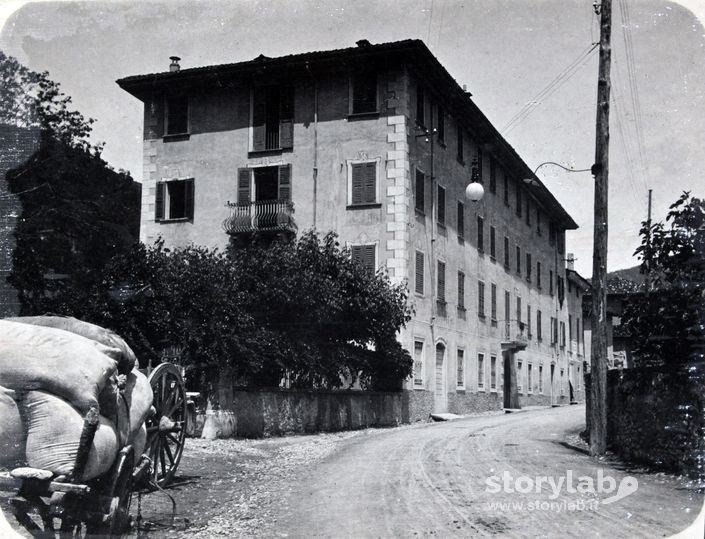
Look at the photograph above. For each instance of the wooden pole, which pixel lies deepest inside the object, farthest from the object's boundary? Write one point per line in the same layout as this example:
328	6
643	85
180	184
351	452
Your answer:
598	375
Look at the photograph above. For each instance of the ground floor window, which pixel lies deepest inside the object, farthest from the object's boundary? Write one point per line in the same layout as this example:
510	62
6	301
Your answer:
418	363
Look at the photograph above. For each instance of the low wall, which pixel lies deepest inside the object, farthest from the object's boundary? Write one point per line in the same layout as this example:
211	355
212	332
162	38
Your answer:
254	413
657	417
472	402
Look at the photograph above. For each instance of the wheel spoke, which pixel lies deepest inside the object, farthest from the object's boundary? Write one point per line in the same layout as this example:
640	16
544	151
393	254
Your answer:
168	453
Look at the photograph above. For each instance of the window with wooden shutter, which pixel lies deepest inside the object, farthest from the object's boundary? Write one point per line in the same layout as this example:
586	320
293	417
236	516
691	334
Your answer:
441	126
364	93
441	281
176	115
243	186
459	134
493	176
441	199
506	252
481	299
461	220
286	125
460	381
461	290
174	200
420	191
159	201
365	255
285	182
420	106
493	243
364	183
259	119
418	363
480	234
419	273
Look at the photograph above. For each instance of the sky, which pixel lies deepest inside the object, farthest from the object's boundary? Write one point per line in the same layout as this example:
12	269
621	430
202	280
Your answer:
526	62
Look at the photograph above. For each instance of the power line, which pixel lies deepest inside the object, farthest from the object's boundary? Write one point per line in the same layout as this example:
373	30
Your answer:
558	81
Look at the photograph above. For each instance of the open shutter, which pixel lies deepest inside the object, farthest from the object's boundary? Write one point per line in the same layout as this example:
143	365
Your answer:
369	257
441	205
189	199
357	183
419	272
159	202
370	182
259	117
286	114
441	281
285	182
243	186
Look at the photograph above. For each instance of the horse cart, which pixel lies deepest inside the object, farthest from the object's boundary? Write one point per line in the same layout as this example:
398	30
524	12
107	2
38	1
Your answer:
51	505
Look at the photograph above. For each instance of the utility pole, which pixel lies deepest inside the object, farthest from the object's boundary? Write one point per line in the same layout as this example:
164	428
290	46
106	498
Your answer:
598	367
648	247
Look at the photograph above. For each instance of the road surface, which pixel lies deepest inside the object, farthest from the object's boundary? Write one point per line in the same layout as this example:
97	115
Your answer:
460	479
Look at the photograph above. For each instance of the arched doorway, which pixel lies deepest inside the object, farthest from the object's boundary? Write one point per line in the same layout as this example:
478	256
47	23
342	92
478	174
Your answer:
440	401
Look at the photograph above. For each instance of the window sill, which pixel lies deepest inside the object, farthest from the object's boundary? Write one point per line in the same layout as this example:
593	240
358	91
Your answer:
354	116
421	387
481	388
460	390
176	137
368	206
269	151
175	220
481	252
493	322
507	268
420	213
442	144
441	225
461	239
493	259
461	161
482	317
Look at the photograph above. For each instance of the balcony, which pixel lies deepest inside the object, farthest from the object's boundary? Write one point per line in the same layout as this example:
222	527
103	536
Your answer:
515	336
269	216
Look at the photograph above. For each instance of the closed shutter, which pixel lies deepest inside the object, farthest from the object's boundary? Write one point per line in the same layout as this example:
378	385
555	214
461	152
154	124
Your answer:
243	186
461	290
285	182
259	118
419	272
420	191
159	201
441	205
286	114
441	281
365	255
461	219
364	183
189	199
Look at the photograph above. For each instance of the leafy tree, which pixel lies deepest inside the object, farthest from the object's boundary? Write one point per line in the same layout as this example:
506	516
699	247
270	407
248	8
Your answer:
31	99
77	212
302	310
667	321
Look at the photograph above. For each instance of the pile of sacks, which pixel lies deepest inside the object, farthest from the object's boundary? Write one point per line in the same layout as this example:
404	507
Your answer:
53	370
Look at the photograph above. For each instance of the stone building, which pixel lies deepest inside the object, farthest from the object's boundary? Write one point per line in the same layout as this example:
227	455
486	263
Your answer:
376	142
17	144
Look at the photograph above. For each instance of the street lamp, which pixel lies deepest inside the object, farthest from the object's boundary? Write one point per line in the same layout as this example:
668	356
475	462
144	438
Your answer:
474	191
532	181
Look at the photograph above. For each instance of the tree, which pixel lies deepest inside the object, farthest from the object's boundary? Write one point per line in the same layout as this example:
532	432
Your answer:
301	311
31	99
667	321
77	212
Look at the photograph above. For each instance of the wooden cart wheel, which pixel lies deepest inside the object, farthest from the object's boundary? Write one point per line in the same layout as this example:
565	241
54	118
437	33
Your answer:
166	429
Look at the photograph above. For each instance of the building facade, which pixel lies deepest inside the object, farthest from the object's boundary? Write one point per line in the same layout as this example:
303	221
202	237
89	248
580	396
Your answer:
378	143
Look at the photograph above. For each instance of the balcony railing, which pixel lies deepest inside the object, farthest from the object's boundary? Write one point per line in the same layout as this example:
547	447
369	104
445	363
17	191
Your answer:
260	216
515	335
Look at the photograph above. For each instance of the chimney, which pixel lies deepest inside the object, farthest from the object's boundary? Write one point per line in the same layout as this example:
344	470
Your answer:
570	259
465	90
174	65
363	43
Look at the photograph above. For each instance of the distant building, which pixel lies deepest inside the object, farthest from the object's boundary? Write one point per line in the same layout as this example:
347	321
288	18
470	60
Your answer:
378	143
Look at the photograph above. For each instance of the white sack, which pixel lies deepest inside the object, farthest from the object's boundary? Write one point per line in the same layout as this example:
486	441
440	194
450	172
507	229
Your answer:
126	358
53	434
70	366
11	431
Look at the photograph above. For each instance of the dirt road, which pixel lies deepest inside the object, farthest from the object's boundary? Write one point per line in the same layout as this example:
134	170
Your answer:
432	480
